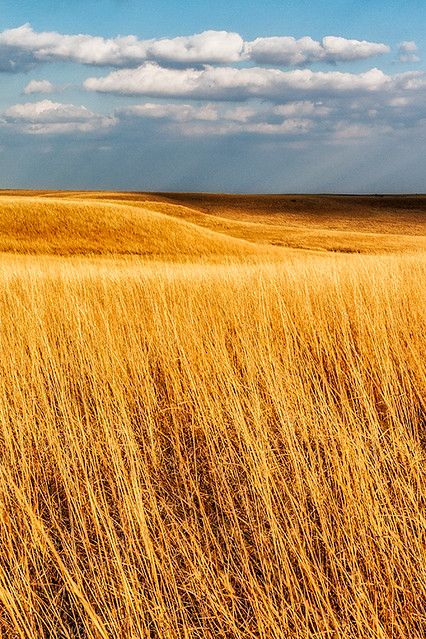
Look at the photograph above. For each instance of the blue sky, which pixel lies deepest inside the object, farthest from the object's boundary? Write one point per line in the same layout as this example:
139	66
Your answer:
227	96
383	19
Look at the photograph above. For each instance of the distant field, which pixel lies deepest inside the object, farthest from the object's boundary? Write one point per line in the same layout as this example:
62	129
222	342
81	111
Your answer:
212	416
84	222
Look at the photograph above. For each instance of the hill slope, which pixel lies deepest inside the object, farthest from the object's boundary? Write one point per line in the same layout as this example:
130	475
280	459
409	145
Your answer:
65	227
186	225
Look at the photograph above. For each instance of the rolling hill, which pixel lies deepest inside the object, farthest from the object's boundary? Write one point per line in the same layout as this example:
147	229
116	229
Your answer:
172	224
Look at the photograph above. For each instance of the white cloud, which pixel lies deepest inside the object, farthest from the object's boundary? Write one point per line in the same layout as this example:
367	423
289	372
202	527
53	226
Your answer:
48	111
303	108
221	83
53	117
392	103
39	86
407	52
285	50
30	47
337	119
216	119
411	81
209	47
22	48
174	112
292	117
340	49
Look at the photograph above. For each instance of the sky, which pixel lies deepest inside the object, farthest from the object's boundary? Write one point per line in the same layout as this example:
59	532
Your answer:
268	96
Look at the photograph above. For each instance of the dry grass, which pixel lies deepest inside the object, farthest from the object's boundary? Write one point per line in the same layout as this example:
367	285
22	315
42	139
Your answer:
212	450
33	225
336	224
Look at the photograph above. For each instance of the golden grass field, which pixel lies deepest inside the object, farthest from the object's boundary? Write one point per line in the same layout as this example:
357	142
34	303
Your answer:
212	416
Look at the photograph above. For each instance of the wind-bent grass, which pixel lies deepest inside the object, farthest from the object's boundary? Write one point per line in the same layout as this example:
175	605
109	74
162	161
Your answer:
213	451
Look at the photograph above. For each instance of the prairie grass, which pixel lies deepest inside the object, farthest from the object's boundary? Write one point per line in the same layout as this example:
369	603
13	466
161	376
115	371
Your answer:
204	451
211	227
55	226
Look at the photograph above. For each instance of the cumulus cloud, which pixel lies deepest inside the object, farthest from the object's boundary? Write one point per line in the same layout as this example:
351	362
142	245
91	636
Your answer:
222	83
338	49
285	50
410	81
407	52
339	112
54	117
39	86
23	48
174	112
184	95
209	47
338	119
291	120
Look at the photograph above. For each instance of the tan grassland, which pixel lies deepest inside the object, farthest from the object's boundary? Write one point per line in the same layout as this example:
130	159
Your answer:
212	417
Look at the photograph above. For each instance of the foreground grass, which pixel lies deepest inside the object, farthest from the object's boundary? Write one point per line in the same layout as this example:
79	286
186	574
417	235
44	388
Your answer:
213	451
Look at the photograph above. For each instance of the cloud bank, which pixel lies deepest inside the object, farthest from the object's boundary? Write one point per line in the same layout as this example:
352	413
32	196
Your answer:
211	85
232	83
23	48
391	105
